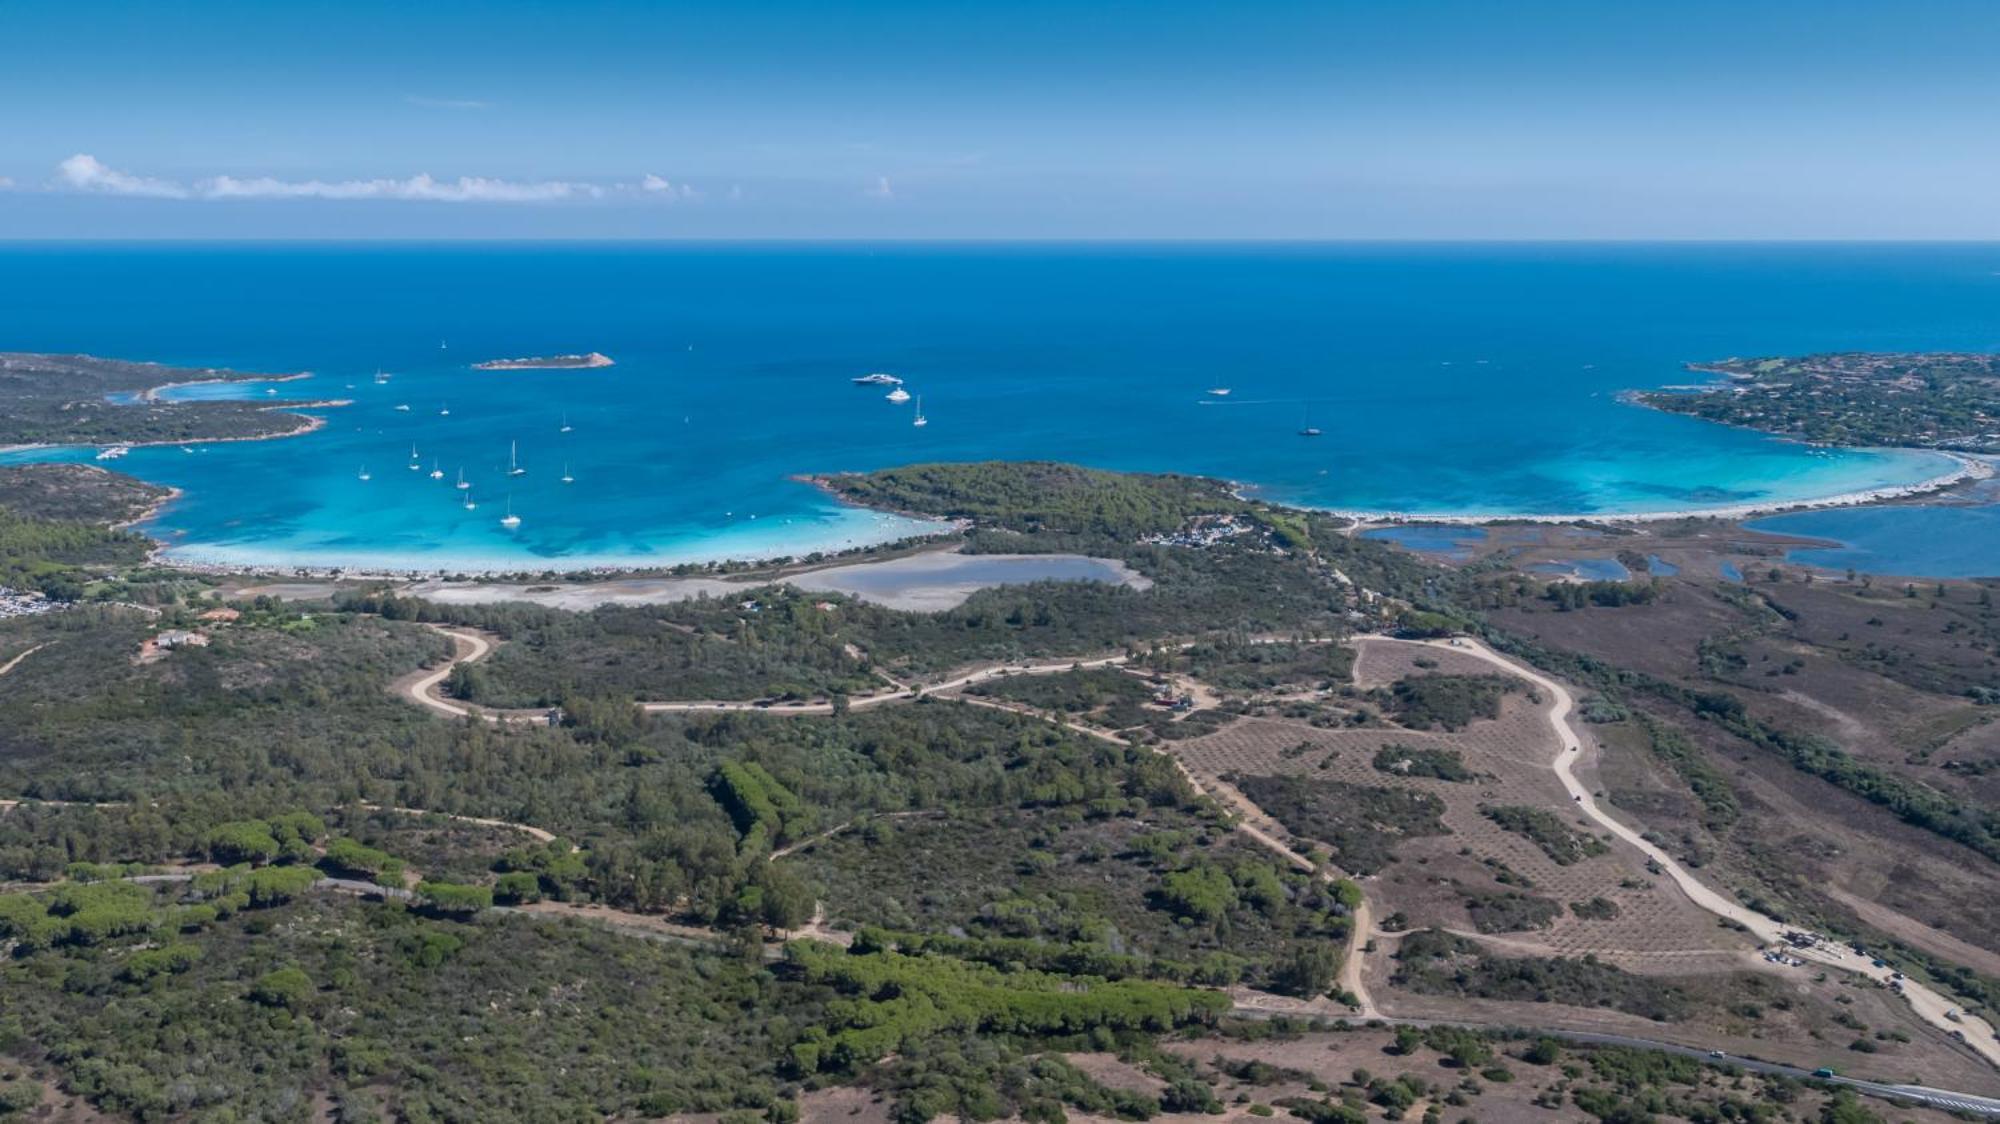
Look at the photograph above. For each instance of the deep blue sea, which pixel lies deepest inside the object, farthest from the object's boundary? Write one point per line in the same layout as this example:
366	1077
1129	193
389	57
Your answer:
1446	379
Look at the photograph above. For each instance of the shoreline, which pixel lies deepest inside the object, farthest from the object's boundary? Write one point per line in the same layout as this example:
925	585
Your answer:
313	423
1966	468
1969	468
152	393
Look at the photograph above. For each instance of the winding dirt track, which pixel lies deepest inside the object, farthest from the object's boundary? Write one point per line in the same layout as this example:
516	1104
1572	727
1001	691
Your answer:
1933	1008
16	661
1930	1006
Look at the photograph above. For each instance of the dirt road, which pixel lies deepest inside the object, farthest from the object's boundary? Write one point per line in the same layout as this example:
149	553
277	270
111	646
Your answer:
1930	1006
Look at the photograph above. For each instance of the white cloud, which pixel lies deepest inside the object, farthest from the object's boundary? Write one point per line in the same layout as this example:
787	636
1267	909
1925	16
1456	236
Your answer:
660	187
84	172
447	103
421	188
880	190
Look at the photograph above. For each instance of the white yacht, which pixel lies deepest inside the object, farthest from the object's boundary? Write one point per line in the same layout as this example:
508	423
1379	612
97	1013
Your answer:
510	520
444	411
920	419
403	408
878	379
1218	391
514	459
898	395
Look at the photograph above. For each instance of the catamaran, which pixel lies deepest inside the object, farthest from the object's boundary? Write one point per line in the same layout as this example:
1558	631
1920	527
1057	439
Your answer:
898	395
920	419
510	520
514	460
462	485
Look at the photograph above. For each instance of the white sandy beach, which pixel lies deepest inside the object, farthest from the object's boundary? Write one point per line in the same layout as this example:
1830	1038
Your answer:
1967	467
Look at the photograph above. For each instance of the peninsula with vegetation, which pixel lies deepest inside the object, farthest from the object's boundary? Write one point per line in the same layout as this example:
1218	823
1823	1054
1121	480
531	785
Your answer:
1948	401
85	400
546	362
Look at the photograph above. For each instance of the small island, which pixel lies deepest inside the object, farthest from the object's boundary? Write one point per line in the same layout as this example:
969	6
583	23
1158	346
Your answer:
545	362
1927	400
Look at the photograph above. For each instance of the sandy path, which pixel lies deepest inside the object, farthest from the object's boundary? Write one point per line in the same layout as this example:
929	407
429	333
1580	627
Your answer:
16	661
1253	823
423	688
1930	1006
525	829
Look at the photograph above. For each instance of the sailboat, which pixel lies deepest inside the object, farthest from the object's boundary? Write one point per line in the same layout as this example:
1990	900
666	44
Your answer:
565	424
415	463
920	419
514	460
436	472
469	505
381	375
510	520
364	473
444	411
462	485
566	477
1307	429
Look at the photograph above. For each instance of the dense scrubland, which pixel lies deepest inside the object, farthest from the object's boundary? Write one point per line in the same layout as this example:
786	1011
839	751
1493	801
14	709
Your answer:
1016	893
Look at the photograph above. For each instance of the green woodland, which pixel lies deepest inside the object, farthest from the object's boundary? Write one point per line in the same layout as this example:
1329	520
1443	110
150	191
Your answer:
235	889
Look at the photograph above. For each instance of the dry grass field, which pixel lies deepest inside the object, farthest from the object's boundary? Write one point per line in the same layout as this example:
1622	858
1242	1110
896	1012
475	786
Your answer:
1607	906
1436	878
1251	1079
1880	673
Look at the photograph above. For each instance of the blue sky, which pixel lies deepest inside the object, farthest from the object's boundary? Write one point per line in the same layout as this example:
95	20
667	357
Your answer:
1019	120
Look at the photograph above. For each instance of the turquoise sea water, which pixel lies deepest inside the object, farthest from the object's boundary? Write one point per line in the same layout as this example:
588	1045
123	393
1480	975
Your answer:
1468	379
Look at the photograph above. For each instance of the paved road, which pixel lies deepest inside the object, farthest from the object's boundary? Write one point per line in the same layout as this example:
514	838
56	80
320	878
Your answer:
1930	1006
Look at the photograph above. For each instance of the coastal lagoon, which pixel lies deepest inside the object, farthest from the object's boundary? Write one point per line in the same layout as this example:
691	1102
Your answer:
1918	541
1446	380
938	581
